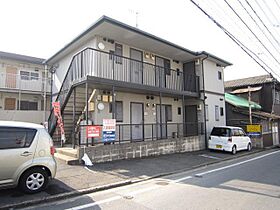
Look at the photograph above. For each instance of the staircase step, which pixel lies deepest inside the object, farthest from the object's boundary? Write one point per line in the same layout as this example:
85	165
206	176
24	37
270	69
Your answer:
73	153
68	160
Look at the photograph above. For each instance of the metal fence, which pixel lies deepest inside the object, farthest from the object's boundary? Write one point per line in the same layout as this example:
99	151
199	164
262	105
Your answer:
144	132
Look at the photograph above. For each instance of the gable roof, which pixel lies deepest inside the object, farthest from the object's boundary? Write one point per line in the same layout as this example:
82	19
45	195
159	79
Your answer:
117	24
18	57
249	81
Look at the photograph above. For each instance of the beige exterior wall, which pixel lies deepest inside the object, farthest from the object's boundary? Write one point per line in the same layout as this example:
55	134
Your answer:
149	112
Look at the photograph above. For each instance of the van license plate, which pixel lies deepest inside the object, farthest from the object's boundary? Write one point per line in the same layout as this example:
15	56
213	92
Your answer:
218	146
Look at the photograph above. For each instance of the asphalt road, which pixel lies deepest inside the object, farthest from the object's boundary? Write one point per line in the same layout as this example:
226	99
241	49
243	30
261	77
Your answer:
251	182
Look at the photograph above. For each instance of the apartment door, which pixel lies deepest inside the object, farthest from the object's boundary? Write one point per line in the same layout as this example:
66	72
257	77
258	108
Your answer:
189	76
11	80
191	127
160	72
161	125
137	121
136	66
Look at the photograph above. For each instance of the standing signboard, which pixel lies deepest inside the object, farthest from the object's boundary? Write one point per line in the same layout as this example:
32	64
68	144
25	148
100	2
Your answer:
109	130
93	131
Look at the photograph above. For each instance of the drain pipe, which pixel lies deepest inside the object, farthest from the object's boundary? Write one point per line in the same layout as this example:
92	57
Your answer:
204	98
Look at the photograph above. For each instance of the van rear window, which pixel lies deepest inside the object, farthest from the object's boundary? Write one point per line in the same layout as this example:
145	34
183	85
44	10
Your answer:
221	132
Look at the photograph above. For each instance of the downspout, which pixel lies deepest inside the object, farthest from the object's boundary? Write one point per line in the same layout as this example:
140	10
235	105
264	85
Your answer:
204	98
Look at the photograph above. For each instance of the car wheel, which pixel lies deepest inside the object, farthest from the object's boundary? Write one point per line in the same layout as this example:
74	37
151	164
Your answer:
249	147
33	180
233	151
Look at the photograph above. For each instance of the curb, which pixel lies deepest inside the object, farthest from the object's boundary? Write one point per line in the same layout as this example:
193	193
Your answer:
119	184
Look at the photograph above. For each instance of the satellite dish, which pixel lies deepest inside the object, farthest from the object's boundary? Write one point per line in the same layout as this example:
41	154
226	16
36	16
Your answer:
101	46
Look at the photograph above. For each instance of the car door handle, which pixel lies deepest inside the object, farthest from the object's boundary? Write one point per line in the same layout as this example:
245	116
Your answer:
26	153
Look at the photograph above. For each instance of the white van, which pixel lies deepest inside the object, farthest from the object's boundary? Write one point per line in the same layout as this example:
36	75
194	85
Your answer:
231	139
26	156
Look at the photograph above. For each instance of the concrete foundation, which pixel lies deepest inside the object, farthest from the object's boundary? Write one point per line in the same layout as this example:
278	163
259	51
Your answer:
105	153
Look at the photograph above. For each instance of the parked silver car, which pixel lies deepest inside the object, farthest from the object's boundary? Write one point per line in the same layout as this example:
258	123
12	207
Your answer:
26	156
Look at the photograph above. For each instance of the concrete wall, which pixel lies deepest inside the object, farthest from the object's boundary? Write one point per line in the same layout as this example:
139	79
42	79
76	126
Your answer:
105	153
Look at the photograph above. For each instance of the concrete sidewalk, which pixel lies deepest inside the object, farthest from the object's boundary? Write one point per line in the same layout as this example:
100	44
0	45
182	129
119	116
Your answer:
75	180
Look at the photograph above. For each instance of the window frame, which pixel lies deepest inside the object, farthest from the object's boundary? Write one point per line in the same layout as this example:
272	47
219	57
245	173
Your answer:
220	75
26	145
111	110
118	53
217	114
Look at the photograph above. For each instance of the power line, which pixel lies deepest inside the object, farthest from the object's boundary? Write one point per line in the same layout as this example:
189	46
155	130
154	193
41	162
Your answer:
252	31
238	42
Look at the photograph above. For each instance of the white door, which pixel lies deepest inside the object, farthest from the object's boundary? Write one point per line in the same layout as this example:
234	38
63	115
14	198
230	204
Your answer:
16	149
137	121
275	135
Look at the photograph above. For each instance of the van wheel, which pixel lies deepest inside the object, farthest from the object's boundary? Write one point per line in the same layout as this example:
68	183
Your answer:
249	147
34	180
233	151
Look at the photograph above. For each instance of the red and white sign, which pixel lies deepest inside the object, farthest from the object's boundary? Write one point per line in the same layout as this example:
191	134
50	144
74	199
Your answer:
93	131
109	124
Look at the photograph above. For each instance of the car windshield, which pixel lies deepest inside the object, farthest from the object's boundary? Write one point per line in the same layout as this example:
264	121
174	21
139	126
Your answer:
221	132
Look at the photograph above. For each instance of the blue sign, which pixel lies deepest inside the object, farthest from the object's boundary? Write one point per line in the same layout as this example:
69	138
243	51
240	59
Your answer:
109	136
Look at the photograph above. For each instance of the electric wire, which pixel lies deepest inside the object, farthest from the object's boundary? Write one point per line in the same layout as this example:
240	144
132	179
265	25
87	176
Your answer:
250	53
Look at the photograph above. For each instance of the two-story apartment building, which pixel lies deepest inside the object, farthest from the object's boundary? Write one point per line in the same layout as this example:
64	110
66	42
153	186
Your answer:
24	88
152	87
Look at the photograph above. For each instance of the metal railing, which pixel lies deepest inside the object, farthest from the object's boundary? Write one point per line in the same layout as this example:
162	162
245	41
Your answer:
96	63
24	83
145	132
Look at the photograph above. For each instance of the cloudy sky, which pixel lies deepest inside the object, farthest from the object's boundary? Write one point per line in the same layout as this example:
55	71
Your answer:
40	28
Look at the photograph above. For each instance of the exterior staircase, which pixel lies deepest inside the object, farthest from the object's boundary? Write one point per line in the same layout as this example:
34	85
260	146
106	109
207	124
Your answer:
67	155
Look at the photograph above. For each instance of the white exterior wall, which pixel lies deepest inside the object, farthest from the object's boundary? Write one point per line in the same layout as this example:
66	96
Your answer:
214	92
149	112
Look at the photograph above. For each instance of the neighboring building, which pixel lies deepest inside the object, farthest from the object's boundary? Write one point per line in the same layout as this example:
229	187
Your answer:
153	88
22	88
265	96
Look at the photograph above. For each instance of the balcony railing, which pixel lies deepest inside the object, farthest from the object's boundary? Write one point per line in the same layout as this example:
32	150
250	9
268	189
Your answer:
96	63
23	83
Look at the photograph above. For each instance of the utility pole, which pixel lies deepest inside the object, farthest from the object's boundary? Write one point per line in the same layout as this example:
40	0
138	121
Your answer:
249	100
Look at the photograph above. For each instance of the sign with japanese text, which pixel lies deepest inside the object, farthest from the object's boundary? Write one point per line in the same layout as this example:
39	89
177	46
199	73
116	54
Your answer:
93	131
109	130
254	130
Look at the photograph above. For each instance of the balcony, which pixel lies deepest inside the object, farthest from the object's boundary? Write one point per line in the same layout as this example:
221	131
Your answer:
23	83
103	65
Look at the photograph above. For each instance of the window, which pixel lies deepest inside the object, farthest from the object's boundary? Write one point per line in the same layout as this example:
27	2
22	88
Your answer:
119	110
168	111
179	110
118	53
206	113
221	111
220	132
10	104
16	137
277	97
167	67
219	75
34	76
24	75
28	105
217	113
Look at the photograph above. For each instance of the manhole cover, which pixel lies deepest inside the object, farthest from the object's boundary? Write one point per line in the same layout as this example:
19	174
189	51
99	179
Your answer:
128	197
162	183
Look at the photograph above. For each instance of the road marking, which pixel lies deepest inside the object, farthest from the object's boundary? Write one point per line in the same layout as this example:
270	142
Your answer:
209	156
96	203
235	164
181	179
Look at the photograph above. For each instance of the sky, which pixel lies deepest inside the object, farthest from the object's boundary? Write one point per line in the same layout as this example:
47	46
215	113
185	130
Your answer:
40	28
